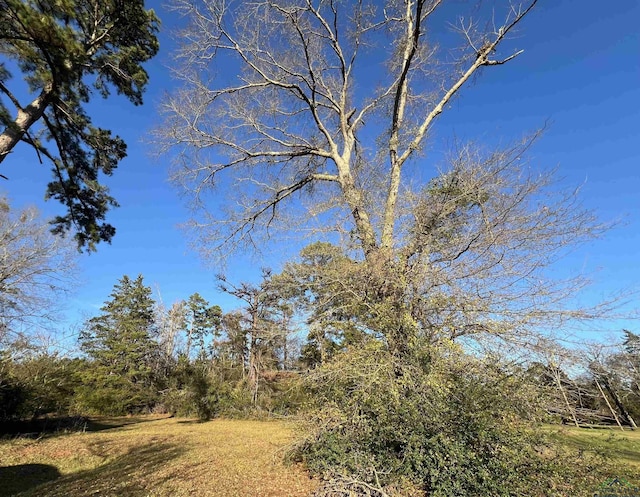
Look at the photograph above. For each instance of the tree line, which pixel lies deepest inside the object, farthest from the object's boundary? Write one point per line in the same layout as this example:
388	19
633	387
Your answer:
437	415
138	356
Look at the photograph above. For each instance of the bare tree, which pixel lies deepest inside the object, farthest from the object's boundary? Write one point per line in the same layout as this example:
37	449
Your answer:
265	319
329	105
35	269
171	323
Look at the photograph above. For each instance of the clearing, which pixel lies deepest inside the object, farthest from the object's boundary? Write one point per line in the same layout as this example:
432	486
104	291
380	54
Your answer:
155	456
150	456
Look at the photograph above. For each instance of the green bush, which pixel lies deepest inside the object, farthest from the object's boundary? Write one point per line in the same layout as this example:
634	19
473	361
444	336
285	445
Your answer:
436	421
206	390
187	390
103	392
37	386
12	398
282	393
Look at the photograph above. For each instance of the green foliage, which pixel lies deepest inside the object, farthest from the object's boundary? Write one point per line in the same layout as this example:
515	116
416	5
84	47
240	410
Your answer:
12	398
283	393
63	48
37	385
120	342
209	389
112	395
448	424
632	345
206	389
332	290
188	390
231	399
203	319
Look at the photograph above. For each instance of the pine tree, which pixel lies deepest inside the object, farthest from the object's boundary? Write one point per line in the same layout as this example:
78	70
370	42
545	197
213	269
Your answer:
632	343
204	319
121	342
64	51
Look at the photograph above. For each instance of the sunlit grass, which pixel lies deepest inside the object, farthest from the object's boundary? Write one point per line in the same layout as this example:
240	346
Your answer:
618	453
159	456
622	448
155	457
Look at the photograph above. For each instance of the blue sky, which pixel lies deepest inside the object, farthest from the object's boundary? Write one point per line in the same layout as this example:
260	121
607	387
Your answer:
580	71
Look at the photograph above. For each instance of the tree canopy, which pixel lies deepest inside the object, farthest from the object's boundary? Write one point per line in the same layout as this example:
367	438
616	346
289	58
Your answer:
66	50
122	342
328	106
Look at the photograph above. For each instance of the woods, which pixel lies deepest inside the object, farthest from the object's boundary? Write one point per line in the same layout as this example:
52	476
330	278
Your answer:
431	419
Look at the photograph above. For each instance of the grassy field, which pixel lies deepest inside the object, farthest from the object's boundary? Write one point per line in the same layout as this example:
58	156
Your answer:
616	467
151	456
621	448
159	456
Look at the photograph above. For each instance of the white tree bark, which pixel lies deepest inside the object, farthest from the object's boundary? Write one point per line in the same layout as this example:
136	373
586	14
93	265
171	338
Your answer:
25	118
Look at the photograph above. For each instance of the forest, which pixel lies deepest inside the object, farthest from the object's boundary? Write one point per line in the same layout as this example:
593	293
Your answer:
415	341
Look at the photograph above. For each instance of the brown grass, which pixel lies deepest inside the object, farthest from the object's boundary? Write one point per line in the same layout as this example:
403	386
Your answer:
154	456
158	456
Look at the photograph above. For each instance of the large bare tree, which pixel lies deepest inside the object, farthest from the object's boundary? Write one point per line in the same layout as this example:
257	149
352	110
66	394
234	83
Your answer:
316	108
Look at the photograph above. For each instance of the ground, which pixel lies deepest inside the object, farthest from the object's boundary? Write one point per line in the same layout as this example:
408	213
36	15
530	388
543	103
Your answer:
154	456
621	448
151	456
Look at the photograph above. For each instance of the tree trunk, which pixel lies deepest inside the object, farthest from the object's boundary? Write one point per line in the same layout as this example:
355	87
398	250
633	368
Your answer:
253	357
611	409
188	347
254	371
285	354
564	396
618	402
24	120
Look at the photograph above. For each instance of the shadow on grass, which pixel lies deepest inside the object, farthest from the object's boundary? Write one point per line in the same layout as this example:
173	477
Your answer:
20	478
33	428
129	475
101	424
68	424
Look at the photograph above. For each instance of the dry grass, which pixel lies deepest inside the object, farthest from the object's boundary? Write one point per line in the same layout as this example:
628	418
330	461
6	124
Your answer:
154	456
159	456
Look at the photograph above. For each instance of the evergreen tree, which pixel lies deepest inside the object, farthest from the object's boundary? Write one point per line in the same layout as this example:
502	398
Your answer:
63	48
233	347
632	343
121	343
204	319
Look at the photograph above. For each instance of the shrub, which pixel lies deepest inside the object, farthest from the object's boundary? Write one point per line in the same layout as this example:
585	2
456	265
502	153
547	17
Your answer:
205	390
437	422
36	386
104	392
12	399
